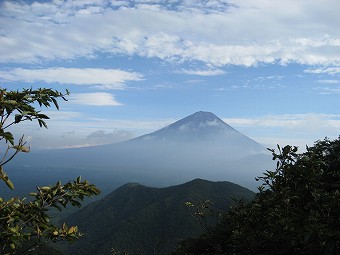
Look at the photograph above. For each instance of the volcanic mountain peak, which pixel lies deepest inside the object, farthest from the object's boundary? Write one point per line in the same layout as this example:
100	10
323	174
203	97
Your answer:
199	126
199	120
202	122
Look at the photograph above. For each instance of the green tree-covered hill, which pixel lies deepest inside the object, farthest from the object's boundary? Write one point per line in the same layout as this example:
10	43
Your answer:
296	211
144	220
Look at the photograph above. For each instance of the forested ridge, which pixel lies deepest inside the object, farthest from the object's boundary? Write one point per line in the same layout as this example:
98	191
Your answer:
145	220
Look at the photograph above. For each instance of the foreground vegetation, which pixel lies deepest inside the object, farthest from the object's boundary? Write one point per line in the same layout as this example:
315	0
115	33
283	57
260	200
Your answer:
296	210
24	223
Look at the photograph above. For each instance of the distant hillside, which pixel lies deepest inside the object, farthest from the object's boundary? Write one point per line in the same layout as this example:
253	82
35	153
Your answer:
144	220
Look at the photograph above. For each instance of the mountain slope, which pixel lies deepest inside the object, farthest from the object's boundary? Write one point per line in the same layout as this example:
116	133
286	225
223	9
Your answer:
202	129
198	146
197	125
143	220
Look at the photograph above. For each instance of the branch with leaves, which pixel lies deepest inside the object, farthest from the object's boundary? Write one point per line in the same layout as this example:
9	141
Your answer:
22	220
21	104
27	220
201	213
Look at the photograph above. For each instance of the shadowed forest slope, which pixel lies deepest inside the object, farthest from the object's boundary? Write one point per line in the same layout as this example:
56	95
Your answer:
144	220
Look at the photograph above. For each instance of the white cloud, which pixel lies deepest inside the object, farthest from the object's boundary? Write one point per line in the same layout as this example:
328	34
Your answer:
70	131
293	129
327	70
329	81
203	72
271	77
95	99
104	78
62	115
306	122
328	90
103	137
214	32
79	138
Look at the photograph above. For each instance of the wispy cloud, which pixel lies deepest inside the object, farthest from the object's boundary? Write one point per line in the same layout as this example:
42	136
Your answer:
106	137
103	78
327	70
62	115
306	122
328	90
329	81
212	72
271	77
216	33
331	86
95	99
293	129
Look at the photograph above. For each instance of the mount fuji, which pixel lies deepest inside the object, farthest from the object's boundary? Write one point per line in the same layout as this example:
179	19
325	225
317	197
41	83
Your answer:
205	130
198	146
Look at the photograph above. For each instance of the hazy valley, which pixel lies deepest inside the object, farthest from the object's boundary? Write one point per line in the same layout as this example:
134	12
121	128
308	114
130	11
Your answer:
198	146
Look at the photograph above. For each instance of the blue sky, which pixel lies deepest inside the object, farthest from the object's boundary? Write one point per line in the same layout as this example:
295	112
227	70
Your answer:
270	69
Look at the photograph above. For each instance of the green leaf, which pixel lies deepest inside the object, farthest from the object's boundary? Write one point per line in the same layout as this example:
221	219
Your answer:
46	218
8	137
9	183
58	207
55	102
75	203
42	123
58	184
42	116
17	118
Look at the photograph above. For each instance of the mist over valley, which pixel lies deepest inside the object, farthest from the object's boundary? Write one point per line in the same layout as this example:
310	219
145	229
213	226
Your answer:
198	146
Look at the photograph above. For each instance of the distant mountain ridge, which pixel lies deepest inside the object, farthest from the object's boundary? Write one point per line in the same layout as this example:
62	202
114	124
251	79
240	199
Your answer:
202	122
140	219
198	126
198	146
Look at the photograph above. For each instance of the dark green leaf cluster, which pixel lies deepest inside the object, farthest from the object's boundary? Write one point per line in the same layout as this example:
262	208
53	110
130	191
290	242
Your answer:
21	104
296	211
22	220
25	224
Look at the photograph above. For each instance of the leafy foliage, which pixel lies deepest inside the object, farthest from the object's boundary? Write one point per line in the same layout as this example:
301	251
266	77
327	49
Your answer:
202	213
296	211
26	221
23	220
21	104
